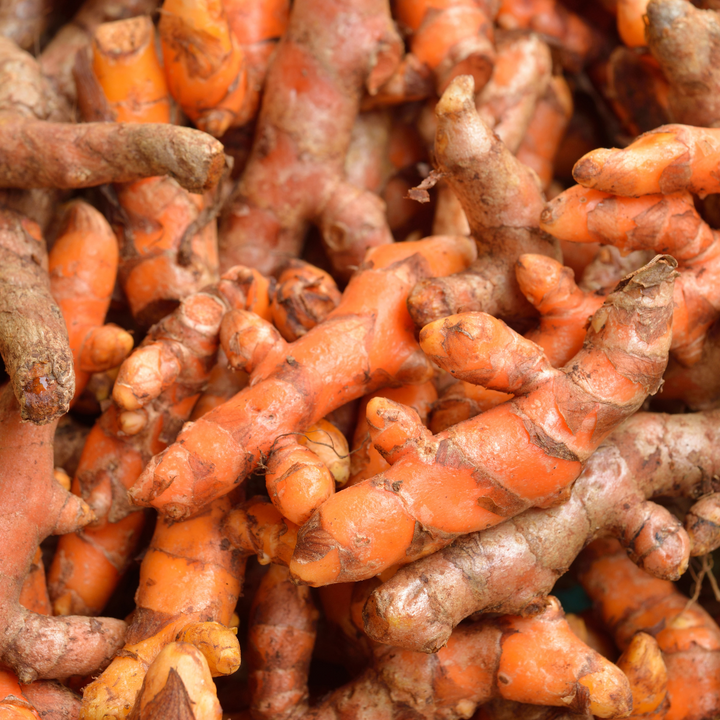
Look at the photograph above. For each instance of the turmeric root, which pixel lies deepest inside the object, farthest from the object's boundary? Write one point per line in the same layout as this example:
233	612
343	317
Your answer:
546	129
693	78
450	38
13	703
204	63
169	249
643	664
328	442
281	636
578	41
460	401
630	25
257	26
83	265
304	296
26	96
187	575
298	482
522	73
256	527
660	223
33	338
218	644
160	382
305	384
303	468
412	518
122	53
511	567
631	601
178	684
102	152
669	159
502	202
564	314
535	659
295	177
366	461
35	506
564	308
107	153
53	701
58	56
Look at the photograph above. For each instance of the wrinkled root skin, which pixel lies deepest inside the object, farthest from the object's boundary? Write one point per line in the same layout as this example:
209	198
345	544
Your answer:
512	567
34	505
33	338
107	153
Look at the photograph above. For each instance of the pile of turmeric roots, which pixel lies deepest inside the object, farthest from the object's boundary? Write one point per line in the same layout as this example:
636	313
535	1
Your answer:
346	336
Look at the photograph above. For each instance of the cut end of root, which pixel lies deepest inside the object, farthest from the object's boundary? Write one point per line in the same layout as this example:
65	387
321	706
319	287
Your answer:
589	167
42	398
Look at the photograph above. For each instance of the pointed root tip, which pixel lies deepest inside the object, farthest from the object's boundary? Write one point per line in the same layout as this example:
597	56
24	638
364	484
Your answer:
458	97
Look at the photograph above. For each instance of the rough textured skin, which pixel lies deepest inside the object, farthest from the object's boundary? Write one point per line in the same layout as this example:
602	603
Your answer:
256	527
295	386
510	568
295	173
25	93
97	153
525	452
34	506
505	657
656	223
502	201
686	43
189	574
25	21
257	26
53	701
33	338
23	90
204	63
281	635
304	296
159	382
631	601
